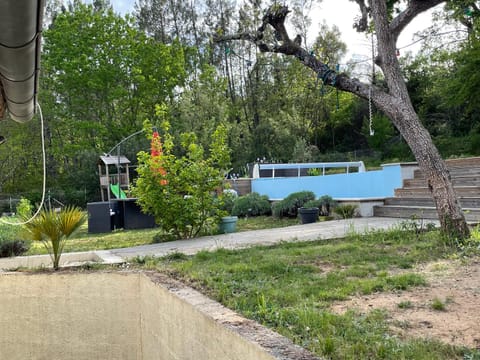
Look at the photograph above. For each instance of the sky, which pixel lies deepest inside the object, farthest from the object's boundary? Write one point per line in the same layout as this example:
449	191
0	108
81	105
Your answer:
340	13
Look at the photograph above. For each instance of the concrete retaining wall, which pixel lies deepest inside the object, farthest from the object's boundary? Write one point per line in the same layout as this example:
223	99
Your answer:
125	316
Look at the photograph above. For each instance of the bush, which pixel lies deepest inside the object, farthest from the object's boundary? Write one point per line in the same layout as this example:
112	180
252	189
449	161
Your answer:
227	200
325	205
252	204
24	208
288	207
10	245
179	190
13	248
346	211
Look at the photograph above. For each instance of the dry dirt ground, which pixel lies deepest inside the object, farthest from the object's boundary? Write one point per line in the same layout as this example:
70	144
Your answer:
455	285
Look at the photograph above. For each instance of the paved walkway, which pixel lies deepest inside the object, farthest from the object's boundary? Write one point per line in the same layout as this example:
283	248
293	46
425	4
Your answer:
239	240
307	232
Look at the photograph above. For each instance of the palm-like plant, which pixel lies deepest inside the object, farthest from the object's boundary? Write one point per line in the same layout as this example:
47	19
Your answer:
54	228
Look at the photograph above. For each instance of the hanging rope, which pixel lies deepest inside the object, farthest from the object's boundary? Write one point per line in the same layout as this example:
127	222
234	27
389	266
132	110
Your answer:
370	111
44	159
372	82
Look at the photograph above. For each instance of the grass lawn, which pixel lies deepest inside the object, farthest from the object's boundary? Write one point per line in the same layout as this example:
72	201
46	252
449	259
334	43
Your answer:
290	288
83	241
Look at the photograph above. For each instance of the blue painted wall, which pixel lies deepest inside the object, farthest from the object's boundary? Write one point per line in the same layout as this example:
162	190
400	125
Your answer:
370	184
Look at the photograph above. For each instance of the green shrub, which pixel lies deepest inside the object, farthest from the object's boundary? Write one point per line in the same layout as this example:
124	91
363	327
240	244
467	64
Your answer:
13	248
227	200
179	190
346	211
24	208
288	207
252	204
10	243
325	204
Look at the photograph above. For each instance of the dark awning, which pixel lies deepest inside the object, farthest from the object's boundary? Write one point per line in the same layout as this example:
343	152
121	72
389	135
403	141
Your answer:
114	160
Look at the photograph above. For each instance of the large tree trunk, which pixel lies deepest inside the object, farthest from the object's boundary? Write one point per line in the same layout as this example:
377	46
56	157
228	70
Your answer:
395	102
438	178
408	123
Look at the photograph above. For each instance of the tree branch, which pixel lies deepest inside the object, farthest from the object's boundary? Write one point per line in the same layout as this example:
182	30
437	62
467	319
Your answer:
275	17
361	23
414	8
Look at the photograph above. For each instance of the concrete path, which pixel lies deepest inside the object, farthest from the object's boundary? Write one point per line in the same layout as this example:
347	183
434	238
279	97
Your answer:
307	232
239	240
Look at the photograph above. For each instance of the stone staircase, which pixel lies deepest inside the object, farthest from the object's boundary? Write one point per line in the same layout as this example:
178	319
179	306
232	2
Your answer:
414	199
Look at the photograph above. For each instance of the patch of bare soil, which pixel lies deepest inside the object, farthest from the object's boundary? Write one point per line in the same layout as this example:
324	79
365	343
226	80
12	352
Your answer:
411	313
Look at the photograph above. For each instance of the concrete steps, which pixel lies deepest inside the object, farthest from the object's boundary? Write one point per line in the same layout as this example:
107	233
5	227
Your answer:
463	191
414	198
466	202
420	212
458	180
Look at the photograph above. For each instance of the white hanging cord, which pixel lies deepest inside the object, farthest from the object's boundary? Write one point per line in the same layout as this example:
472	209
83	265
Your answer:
44	159
370	109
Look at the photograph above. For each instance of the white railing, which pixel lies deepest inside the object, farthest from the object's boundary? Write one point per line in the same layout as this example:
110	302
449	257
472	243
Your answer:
298	166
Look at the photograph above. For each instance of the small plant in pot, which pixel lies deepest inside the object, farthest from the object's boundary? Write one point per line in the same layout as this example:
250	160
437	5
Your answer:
309	212
308	215
228	222
325	205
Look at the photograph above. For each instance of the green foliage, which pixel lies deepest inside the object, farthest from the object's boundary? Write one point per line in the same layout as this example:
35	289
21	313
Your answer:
101	76
54	228
441	305
346	211
179	190
252	204
288	207
325	205
227	200
24	208
103	73
383	135
405	304
291	288
11	242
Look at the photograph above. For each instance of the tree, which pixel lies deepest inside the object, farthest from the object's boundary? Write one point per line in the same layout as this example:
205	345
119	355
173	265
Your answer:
100	78
178	190
394	101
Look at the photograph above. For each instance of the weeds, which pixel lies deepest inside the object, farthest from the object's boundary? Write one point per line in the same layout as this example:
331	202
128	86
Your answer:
290	288
438	305
405	304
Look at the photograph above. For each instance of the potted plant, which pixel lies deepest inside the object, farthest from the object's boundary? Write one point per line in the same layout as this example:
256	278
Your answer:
228	223
312	210
308	215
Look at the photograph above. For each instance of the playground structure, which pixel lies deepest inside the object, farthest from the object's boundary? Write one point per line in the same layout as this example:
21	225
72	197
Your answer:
115	183
116	210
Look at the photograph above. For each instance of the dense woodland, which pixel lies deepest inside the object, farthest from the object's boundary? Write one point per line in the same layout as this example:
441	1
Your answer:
103	74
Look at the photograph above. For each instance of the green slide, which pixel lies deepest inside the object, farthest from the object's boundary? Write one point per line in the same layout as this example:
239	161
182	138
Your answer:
117	191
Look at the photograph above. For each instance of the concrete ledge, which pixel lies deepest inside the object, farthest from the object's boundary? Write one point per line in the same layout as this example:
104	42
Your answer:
365	205
67	260
126	315
254	340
